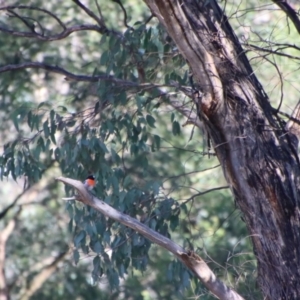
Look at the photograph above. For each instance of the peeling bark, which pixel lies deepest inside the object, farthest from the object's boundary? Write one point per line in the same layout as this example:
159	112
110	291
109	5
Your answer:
257	154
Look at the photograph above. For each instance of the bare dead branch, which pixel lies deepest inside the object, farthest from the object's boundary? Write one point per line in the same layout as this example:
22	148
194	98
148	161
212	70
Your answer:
290	12
189	258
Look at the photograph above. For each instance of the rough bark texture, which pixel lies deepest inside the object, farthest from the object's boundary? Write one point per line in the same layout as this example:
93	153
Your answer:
258	158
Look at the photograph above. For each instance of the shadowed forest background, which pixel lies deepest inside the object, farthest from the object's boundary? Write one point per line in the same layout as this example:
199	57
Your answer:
84	100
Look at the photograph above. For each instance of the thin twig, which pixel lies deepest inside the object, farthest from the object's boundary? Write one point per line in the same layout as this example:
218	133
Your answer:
23	19
124	12
205	192
290	12
35	8
66	32
90	13
276	51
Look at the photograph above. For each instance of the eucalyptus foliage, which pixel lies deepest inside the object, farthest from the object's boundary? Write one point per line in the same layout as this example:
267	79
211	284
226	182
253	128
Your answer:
99	101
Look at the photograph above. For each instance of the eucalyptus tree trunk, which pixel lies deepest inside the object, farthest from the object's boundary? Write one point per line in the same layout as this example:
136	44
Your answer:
258	155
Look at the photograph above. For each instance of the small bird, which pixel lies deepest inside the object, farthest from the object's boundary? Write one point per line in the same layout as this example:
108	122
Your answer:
90	182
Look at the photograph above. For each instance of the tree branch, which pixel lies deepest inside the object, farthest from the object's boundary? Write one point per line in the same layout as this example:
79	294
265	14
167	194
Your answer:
189	258
90	13
290	12
4	235
185	110
54	37
33	34
10	7
275	51
69	75
42	276
124	12
206	192
10	206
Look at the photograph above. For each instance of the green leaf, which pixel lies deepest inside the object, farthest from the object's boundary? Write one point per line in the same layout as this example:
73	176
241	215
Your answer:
40	143
76	256
172	117
57	154
153	223
46	129
115	184
29	119
156	141
170	272
78	238
41	104
176	128
52	136
115	157
52	114
104	57
174	221
121	270
150	120
15	121
70	225
96	247
127	181
185	279
113	278
102	145
103	39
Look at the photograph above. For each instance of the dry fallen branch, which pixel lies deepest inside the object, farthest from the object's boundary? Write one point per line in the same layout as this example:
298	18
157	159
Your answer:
189	258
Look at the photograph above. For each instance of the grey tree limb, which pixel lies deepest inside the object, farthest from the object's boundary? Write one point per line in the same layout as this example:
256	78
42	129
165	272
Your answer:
189	258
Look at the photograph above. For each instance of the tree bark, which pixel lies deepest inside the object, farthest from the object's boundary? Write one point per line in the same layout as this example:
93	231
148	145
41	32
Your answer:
258	156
